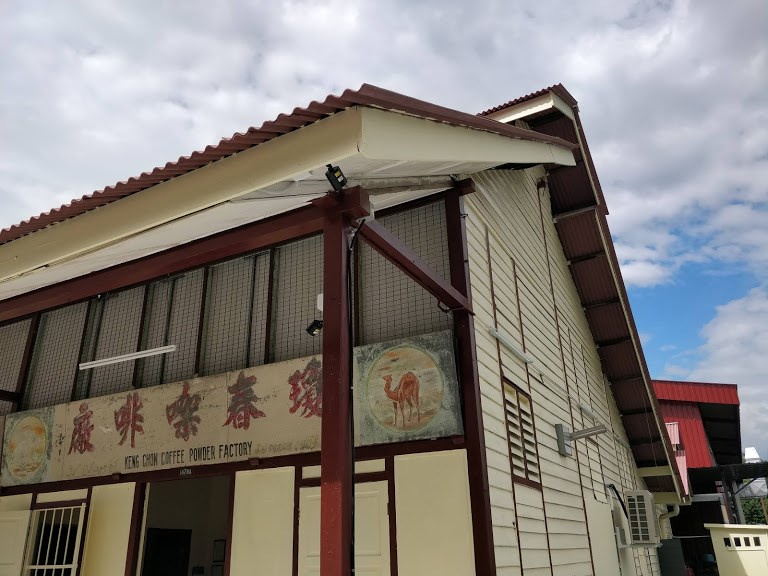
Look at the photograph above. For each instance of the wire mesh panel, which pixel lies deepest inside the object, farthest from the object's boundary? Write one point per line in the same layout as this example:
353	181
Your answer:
171	316
113	330
391	304
13	341
55	356
236	300
298	279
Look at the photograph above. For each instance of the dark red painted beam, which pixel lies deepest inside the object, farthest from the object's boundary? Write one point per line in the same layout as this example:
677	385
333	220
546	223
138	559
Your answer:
249	238
8	396
394	250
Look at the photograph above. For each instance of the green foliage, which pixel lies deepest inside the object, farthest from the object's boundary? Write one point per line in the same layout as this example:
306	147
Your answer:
753	511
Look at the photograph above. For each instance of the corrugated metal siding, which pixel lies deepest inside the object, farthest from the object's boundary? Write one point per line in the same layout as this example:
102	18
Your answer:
692	432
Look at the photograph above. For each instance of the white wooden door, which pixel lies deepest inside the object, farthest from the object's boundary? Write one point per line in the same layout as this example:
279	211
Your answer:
371	530
13	537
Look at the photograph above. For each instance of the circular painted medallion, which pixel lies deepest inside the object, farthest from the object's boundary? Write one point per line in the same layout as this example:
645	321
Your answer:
405	389
27	448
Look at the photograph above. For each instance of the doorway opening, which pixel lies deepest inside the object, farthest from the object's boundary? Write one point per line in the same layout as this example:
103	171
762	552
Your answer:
185	527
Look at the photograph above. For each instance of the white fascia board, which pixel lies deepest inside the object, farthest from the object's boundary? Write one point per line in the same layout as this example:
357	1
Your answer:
331	139
392	135
521	111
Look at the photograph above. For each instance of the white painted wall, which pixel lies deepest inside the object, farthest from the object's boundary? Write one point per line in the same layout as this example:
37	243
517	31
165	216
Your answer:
262	529
434	524
508	219
15	503
109	523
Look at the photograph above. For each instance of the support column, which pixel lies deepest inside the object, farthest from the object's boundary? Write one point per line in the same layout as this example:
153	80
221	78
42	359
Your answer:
336	438
474	433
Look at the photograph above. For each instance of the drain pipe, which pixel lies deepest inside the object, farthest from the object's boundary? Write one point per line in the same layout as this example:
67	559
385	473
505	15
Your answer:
671	514
666	516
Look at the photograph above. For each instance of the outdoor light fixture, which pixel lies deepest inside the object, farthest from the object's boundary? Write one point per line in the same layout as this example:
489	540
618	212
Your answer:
565	436
128	357
336	178
314	328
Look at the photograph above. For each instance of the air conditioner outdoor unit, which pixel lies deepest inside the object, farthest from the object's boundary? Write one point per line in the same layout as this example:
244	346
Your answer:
643	522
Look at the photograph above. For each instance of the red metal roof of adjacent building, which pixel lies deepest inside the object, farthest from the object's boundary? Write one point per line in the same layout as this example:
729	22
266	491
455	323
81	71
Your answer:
691	428
367	95
700	392
708	417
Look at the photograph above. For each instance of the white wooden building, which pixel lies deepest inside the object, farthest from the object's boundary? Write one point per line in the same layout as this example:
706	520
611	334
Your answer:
162	396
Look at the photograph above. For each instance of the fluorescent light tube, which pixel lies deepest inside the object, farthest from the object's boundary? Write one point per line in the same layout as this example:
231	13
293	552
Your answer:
127	357
507	341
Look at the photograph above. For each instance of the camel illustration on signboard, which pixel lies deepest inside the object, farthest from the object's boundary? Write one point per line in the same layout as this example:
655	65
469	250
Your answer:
407	391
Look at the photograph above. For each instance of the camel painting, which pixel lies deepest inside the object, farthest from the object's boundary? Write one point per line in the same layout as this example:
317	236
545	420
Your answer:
407	391
404	388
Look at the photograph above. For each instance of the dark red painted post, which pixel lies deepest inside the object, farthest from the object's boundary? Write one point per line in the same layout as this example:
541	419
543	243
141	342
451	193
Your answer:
464	332
336	441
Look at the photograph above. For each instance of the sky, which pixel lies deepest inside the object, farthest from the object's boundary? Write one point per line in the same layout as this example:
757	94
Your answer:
673	96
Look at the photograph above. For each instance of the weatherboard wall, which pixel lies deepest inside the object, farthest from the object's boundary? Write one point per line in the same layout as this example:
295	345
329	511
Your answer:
521	285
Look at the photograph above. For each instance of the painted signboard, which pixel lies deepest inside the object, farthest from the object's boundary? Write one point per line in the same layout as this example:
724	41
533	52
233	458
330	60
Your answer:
404	390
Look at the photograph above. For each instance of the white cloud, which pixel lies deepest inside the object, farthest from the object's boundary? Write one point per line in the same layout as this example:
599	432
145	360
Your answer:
672	97
735	351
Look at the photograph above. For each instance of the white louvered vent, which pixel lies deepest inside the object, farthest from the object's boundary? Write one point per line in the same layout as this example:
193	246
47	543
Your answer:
643	523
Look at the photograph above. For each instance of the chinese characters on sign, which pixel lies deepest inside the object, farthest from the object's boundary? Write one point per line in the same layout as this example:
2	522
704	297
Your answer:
403	390
307	390
128	419
182	410
81	431
242	403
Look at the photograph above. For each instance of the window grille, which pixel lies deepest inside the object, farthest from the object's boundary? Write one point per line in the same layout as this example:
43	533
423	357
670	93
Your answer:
391	304
54	541
297	280
112	330
54	359
521	435
13	341
235	314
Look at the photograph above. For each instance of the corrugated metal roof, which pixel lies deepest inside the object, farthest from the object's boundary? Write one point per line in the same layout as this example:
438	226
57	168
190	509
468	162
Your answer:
367	95
691	428
699	392
558	89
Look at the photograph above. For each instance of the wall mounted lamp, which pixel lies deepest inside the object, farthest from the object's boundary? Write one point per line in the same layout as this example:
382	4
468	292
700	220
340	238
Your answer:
336	178
314	327
565	436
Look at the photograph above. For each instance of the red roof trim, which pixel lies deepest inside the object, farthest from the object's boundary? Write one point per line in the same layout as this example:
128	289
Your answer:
557	89
367	95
